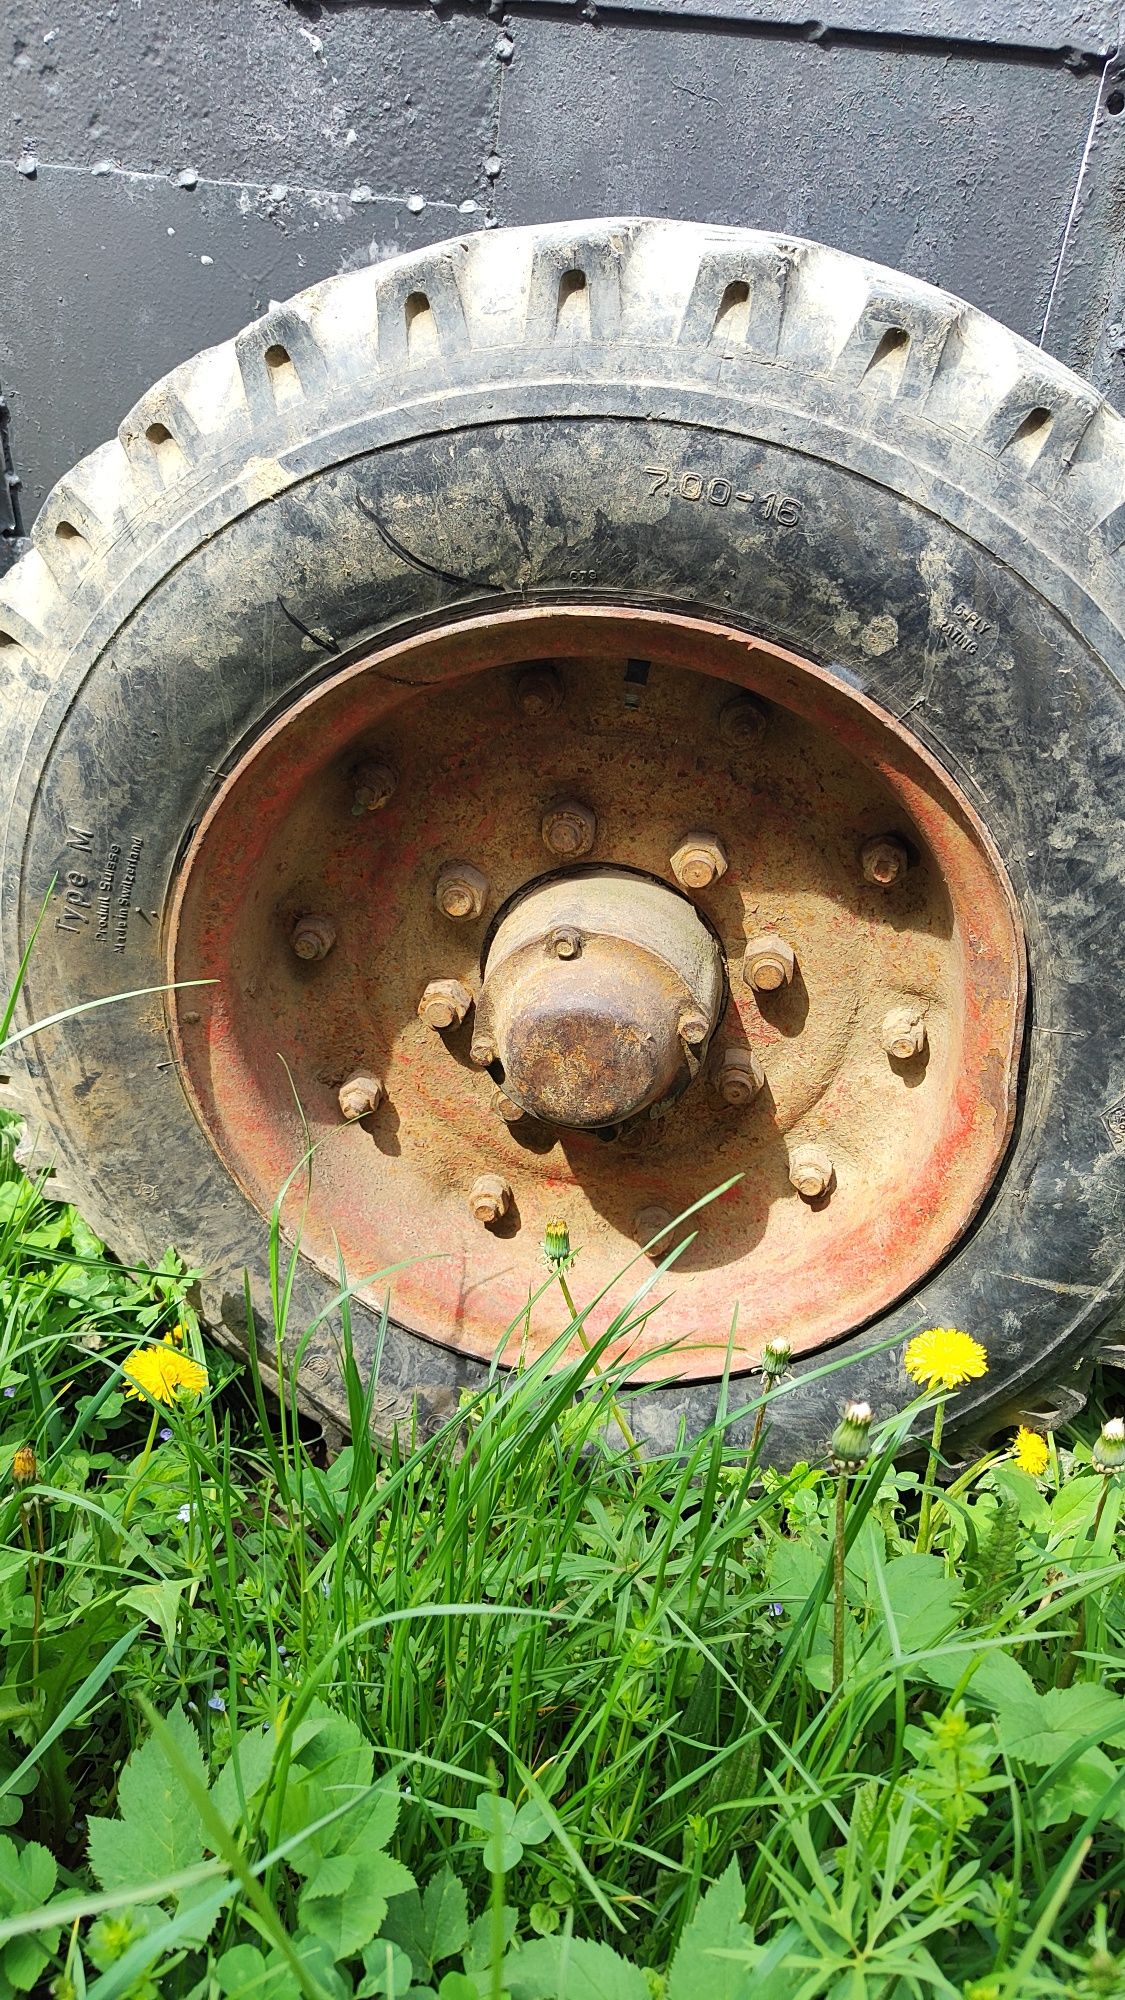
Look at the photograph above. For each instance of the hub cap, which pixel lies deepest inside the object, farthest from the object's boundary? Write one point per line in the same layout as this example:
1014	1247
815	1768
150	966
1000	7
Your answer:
580	912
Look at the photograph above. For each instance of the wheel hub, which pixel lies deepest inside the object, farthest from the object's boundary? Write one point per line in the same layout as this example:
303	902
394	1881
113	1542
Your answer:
578	911
600	993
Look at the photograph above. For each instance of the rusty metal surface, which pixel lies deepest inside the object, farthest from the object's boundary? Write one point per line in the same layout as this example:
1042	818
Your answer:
912	1143
600	991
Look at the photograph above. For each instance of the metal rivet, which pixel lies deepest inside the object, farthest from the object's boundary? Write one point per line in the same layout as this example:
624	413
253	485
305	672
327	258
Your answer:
810	1171
739	1076
568	829
507	1108
538	691
742	720
444	1003
693	1027
884	860
460	890
373	785
564	942
699	860
360	1095
648	1222
490	1198
903	1033
312	937
769	962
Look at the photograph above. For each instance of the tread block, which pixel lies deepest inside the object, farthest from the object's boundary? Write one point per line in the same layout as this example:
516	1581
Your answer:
420	313
575	291
68	532
280	361
1039	425
896	346
159	438
739	298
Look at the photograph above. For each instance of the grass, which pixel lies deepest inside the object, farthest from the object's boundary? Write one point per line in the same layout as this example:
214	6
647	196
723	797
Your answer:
511	1711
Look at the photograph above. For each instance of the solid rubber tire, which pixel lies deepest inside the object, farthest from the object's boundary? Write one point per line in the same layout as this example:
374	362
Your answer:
451	432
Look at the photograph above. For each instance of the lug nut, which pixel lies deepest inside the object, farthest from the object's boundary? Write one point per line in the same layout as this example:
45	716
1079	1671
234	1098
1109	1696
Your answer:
490	1198
810	1171
538	691
699	860
507	1108
568	829
445	1003
884	860
312	937
742	720
739	1076
769	962
360	1095
460	890
482	1051
373	785
903	1033
565	942
694	1027
648	1222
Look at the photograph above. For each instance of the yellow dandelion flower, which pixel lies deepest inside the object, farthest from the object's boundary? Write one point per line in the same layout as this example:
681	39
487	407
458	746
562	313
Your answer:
162	1372
943	1358
1030	1451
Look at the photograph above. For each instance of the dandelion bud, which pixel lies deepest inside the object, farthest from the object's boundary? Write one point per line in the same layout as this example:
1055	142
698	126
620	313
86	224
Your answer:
1108	1454
556	1245
849	1439
25	1465
776	1356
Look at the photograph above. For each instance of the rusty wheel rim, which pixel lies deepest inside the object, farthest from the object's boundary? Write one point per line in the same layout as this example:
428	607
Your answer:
855	1063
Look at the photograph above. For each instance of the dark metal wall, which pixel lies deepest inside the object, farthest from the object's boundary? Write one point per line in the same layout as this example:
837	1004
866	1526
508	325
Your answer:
170	166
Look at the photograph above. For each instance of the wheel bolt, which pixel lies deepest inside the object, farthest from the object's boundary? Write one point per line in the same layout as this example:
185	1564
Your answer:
648	1222
903	1033
742	720
482	1051
538	691
312	937
360	1095
507	1108
699	860
769	962
810	1171
460	890
565	942
568	829
694	1028
373	785
490	1198
445	1003
739	1076
884	860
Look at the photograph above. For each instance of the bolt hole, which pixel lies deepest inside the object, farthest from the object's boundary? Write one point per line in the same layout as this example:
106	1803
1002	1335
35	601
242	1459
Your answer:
1115	103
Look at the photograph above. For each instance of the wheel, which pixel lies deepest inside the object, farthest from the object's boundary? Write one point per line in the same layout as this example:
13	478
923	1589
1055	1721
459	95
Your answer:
612	710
